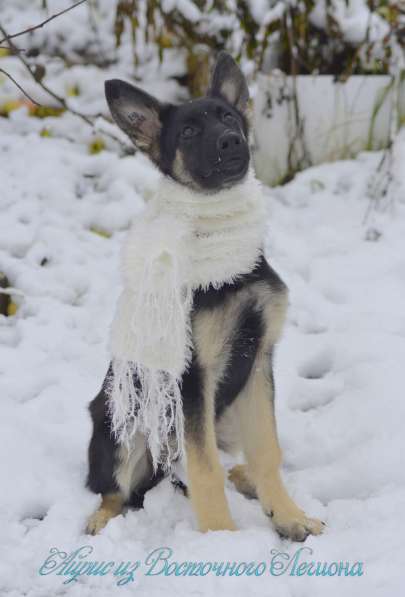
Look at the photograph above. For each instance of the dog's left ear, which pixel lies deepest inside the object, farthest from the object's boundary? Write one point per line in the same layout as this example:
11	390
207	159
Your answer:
229	83
137	113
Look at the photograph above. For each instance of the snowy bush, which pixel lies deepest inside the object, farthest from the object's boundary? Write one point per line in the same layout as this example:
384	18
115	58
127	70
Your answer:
339	37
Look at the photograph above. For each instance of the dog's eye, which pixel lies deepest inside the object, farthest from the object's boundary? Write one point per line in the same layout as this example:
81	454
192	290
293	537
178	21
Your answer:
188	132
228	117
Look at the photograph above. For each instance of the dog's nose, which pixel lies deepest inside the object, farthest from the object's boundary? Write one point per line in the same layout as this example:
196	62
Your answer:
228	142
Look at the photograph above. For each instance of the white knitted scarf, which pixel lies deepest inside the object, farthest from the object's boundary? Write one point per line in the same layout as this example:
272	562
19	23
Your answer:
183	241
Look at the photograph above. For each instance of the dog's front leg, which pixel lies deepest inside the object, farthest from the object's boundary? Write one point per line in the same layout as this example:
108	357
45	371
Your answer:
206	484
263	454
204	470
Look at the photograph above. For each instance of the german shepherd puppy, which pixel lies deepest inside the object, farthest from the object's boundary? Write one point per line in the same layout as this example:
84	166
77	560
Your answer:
228	389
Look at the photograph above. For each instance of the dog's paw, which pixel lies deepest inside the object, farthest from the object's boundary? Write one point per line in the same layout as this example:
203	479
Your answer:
296	526
222	524
238	475
98	521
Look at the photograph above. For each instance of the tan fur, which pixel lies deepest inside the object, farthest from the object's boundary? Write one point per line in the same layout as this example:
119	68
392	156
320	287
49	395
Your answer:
133	466
206	485
260	444
204	471
263	455
180	172
212	332
111	505
249	422
239	476
227	429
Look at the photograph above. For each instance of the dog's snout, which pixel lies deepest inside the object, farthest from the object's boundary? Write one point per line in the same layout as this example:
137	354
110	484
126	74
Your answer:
228	142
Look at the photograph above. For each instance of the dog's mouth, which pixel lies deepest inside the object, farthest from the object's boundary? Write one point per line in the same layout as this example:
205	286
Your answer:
233	164
233	168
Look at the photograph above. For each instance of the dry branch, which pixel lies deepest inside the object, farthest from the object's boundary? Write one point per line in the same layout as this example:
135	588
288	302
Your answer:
19	87
61	100
40	25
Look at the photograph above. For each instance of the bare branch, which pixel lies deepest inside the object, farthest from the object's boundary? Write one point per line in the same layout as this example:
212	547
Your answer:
40	25
12	51
61	100
43	86
19	87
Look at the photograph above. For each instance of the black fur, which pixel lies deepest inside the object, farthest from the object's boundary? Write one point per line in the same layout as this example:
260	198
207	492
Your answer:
245	341
193	397
202	144
103	454
102	448
214	151
263	272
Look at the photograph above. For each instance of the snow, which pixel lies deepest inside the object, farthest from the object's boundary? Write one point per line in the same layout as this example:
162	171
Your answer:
339	366
354	18
188	9
339	374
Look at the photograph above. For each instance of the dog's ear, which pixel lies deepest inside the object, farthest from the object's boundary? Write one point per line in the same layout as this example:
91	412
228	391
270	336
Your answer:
229	83
136	112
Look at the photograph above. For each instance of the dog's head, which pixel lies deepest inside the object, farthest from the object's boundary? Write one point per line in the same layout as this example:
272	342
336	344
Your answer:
201	143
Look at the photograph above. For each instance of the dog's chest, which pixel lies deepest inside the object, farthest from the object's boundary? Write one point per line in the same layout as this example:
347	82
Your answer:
229	324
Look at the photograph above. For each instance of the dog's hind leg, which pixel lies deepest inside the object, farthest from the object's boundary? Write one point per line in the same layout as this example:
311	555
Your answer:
111	505
260	444
120	476
101	459
133	475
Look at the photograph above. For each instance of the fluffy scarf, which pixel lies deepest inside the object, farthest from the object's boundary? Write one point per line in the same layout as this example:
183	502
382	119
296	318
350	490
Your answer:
183	241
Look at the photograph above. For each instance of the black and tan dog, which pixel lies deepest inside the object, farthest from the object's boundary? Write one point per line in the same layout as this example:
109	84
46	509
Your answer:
228	390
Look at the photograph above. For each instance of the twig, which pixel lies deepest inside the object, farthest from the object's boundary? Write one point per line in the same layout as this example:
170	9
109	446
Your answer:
49	91
303	160
10	290
40	25
12	51
19	87
87	119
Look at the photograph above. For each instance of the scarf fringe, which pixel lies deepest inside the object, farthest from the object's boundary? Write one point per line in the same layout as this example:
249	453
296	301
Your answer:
183	241
149	401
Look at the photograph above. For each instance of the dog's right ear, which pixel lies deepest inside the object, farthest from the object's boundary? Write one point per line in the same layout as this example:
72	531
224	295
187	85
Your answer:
229	83
137	113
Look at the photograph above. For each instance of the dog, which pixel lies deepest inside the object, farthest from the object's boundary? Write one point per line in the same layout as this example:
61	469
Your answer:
228	388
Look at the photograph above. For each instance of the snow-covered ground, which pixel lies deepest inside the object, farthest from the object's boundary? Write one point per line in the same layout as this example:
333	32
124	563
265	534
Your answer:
340	376
339	367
